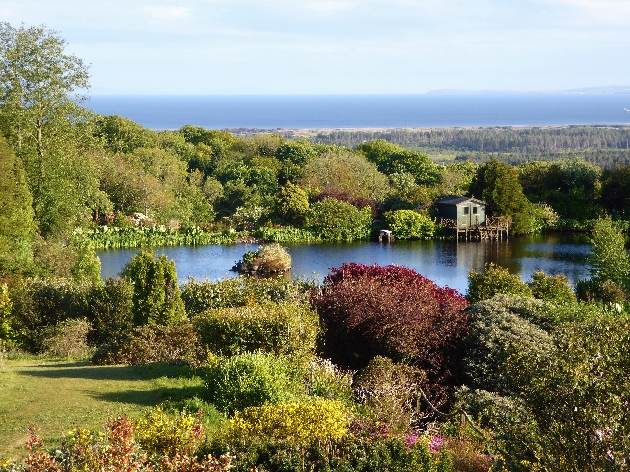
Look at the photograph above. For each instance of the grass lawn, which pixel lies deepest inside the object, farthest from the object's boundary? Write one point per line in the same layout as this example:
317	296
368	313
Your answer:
62	395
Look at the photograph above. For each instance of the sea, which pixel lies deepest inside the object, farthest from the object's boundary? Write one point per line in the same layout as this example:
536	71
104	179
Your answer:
269	112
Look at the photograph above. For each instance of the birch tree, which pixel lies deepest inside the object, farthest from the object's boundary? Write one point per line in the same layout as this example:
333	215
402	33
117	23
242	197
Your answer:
43	117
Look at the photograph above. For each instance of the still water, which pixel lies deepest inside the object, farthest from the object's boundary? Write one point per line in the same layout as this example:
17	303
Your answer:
447	263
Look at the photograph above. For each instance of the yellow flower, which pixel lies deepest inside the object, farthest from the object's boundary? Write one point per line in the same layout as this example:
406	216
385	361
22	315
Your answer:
300	422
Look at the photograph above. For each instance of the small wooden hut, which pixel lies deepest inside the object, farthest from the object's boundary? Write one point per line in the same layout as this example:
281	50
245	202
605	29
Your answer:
467	216
468	212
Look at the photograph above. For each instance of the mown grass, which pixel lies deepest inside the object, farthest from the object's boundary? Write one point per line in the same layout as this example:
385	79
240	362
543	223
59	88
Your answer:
60	395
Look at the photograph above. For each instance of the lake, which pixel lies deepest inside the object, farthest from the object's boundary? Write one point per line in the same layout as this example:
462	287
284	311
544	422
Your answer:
447	263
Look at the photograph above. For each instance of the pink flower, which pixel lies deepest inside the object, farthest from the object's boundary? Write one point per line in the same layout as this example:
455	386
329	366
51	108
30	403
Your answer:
411	440
436	443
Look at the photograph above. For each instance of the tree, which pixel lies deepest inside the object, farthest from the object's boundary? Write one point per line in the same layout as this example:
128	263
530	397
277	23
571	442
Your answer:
340	221
391	158
615	184
294	155
574	188
292	204
344	171
156	295
16	212
609	258
123	135
45	122
497	184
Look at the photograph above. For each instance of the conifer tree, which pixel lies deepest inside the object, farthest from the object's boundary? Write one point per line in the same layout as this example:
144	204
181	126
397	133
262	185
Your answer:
609	258
16	212
156	295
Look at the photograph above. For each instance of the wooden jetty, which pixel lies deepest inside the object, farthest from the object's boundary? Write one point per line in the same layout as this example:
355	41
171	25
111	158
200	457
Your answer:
493	228
385	235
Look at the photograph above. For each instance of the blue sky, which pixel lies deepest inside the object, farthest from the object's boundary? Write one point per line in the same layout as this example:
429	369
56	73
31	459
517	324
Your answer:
338	46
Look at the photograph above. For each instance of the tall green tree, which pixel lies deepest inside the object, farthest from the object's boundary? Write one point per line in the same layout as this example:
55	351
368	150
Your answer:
294	155
16	212
497	184
123	135
43	117
345	171
292	204
156	295
609	259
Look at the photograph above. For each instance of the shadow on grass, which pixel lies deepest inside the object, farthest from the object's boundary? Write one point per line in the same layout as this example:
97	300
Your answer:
149	397
86	370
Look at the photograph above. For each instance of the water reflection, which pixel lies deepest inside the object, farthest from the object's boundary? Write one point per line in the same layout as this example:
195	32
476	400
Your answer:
445	262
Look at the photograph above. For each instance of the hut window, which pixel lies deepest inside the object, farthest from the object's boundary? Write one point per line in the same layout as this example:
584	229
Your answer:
474	210
465	210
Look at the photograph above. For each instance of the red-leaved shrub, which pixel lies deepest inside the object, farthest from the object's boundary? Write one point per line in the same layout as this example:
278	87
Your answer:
391	311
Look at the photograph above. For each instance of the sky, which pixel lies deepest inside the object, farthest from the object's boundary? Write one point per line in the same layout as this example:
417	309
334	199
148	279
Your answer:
219	47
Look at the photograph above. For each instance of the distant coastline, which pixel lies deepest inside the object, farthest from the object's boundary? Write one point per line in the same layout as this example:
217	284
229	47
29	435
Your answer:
577	91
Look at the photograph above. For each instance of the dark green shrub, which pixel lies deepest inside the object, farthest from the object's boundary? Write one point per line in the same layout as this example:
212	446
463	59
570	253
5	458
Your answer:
568	409
40	303
156	294
596	290
67	338
497	184
110	311
154	343
251	379
287	329
493	280
497	331
409	224
349	454
551	288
